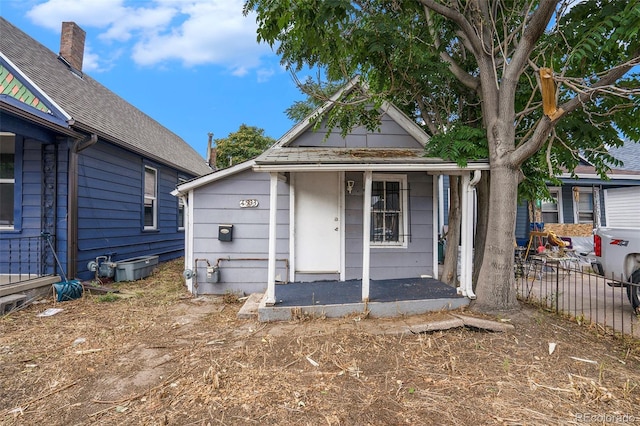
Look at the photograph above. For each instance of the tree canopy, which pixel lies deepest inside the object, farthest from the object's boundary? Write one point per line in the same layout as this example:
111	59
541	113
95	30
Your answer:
247	143
472	73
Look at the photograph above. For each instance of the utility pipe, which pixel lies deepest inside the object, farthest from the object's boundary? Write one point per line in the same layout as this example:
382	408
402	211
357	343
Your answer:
250	259
467	233
76	147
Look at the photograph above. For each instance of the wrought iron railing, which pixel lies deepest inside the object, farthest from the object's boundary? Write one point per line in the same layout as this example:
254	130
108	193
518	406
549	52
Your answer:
24	258
568	287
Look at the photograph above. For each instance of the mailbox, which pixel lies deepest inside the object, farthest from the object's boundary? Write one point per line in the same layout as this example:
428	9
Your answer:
225	232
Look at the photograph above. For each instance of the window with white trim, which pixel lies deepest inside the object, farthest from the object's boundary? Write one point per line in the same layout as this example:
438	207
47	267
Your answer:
552	209
150	198
7	180
388	210
583	205
181	218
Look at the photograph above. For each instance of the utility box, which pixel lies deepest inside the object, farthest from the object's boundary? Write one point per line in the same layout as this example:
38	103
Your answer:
135	268
225	232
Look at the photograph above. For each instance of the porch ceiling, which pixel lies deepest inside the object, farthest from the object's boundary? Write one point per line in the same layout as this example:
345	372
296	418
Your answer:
356	159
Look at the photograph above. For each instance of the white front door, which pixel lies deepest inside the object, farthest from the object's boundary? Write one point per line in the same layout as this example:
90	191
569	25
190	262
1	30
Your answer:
318	226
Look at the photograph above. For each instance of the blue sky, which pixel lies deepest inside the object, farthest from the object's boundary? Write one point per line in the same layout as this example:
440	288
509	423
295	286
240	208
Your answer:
193	65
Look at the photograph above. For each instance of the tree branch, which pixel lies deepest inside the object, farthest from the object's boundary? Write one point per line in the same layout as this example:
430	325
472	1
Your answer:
463	76
545	125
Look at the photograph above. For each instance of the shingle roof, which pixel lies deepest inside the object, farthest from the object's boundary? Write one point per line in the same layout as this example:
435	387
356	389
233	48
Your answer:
93	107
629	154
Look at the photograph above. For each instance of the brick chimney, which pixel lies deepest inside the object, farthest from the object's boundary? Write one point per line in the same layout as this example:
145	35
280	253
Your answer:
72	44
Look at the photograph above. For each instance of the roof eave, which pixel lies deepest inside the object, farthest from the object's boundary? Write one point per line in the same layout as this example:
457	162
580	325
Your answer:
435	168
88	129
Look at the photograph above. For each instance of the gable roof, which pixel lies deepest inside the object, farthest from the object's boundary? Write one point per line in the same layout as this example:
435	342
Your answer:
285	155
91	107
388	108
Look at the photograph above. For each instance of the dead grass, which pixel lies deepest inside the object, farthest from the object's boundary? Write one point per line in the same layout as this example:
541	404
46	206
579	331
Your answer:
156	356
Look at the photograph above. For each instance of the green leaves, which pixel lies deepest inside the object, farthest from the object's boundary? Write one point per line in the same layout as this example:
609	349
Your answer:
460	143
245	144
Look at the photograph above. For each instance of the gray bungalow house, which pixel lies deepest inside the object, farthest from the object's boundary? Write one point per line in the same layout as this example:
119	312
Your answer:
318	209
80	168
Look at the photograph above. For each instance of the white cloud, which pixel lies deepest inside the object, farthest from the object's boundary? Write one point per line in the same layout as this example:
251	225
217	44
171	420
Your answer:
195	32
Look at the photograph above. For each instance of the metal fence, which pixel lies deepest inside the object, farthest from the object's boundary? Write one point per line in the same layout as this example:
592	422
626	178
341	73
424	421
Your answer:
23	259
567	287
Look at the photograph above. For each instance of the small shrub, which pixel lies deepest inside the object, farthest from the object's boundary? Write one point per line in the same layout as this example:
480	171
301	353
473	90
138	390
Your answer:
107	298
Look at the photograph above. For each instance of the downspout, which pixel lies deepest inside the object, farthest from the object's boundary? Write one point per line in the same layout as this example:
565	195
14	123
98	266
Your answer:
467	230
77	146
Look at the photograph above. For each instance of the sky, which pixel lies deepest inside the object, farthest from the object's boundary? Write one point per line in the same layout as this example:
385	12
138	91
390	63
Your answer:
194	66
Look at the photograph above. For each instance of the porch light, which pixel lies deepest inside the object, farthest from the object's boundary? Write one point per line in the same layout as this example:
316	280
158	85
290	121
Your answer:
350	184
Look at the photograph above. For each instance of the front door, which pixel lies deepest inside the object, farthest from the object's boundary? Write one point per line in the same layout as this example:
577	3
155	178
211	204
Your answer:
317	222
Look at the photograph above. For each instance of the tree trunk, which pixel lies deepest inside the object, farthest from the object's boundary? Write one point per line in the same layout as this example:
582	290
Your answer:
496	282
482	195
450	267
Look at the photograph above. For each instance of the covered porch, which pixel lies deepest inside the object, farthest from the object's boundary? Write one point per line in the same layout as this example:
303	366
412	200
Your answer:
400	295
334	299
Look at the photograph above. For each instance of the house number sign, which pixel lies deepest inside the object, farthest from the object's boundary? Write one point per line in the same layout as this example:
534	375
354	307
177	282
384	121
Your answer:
248	203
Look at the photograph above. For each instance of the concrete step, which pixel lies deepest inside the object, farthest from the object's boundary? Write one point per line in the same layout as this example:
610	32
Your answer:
250	307
11	302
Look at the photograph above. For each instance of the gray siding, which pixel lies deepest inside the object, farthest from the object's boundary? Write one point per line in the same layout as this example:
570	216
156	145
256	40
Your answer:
386	263
390	135
219	203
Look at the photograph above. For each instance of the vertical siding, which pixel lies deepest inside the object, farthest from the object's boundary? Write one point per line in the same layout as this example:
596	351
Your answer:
110	205
567	203
219	204
522	222
412	261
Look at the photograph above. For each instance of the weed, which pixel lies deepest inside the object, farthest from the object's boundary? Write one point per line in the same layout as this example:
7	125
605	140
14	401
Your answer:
107	298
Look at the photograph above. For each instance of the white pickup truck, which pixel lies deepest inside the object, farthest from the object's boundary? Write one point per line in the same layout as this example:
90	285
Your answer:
617	253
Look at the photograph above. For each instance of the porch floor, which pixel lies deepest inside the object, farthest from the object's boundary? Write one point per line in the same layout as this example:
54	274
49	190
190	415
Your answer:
387	298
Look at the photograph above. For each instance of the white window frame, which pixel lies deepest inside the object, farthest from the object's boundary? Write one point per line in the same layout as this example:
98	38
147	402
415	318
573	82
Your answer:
403	226
576	203
557	191
181	207
12	181
154	199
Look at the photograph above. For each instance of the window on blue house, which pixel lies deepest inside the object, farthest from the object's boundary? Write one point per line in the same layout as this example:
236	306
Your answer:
388	210
552	209
181	222
583	204
150	198
7	180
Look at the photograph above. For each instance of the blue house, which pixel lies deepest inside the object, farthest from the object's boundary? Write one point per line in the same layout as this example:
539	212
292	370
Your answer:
585	201
83	173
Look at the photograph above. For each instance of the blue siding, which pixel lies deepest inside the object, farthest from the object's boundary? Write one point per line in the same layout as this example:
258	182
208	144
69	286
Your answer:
110	208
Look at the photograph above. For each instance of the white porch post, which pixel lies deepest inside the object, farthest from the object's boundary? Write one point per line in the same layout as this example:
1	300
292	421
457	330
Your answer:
437	212
273	209
366	230
464	235
188	250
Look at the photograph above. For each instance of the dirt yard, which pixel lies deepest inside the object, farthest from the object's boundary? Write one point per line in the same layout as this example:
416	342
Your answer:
153	355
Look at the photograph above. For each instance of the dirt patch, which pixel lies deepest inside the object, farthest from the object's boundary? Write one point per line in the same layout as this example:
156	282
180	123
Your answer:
159	356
